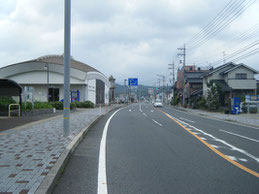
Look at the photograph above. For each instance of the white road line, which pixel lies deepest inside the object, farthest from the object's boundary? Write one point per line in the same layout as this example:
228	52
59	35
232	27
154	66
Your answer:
213	118
151	110
186	119
140	109
242	159
232	157
129	110
251	139
157	123
102	179
234	148
144	114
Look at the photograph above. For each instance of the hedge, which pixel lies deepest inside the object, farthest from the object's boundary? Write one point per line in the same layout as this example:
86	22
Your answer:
4	102
86	104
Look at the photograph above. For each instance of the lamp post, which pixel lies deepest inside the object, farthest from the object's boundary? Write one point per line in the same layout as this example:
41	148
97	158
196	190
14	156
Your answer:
47	68
67	42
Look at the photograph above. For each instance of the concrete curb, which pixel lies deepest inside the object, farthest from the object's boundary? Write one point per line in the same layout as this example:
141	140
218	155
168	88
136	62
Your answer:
49	183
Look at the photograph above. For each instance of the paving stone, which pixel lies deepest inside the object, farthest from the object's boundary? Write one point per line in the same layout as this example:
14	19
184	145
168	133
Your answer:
26	156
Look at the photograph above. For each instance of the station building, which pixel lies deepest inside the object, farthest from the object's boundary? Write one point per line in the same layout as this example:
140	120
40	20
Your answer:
44	77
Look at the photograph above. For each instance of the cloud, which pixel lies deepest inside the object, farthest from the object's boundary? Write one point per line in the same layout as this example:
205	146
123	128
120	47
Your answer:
123	38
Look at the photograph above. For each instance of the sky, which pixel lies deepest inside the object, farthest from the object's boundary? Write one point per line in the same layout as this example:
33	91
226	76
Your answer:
124	38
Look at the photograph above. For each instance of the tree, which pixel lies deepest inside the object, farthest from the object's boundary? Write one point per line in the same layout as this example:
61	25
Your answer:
213	99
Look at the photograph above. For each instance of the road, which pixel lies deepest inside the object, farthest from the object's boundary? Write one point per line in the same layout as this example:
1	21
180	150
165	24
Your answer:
141	149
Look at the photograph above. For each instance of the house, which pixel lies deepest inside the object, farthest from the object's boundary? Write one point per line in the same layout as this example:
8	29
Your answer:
189	82
236	80
43	78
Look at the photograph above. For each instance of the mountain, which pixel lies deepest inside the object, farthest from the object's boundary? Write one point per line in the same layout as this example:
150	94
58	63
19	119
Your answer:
141	91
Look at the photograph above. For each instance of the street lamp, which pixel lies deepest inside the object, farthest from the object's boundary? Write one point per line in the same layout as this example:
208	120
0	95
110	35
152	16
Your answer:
47	68
67	54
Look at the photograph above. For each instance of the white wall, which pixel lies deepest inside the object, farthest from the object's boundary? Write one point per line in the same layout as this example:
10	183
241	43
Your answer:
106	95
91	90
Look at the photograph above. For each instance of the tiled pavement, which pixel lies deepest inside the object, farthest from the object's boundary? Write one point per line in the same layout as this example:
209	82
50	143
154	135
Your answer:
27	155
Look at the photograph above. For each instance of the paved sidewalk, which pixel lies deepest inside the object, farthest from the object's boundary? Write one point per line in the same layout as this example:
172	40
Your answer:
27	155
249	119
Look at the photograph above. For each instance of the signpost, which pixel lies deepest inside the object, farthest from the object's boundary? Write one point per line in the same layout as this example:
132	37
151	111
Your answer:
133	83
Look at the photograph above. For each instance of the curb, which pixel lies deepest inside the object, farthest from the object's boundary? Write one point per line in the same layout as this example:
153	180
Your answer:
49	183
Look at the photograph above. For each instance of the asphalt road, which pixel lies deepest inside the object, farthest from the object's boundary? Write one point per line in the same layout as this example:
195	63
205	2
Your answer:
163	150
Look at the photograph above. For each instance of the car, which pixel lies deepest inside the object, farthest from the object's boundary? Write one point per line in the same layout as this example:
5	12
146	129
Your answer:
158	103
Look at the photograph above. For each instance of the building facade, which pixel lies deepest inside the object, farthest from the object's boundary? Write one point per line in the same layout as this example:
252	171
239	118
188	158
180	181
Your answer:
46	76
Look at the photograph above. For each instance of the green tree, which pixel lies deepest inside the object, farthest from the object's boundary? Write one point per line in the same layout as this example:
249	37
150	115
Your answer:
213	99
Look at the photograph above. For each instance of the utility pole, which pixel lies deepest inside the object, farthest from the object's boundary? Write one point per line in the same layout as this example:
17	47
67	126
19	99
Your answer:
67	54
184	63
163	78
171	67
125	82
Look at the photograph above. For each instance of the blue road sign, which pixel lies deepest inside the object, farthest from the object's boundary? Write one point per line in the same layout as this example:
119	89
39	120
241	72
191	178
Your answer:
133	81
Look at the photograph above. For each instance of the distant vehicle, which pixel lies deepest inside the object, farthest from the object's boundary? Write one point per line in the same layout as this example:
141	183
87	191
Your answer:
158	103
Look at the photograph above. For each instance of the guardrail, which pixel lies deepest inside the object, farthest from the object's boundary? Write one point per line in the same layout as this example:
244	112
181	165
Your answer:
9	109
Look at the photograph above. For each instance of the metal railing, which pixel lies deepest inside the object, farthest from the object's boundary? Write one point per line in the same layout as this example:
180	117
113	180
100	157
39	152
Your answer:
9	109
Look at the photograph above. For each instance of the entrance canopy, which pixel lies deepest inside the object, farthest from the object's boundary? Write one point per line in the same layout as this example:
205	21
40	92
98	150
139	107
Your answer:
9	88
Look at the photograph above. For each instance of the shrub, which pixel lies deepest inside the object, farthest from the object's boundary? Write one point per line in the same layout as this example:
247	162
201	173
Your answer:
42	105
58	105
202	102
72	105
86	104
28	106
4	102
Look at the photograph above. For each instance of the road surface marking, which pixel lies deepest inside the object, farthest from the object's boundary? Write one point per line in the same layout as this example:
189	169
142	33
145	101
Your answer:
203	138
140	109
157	123
232	157
214	149
227	144
251	139
242	159
102	179
144	114
215	146
187	120
151	110
213	118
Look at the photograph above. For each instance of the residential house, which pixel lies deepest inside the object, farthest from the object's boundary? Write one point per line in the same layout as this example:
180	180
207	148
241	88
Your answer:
236	80
189	82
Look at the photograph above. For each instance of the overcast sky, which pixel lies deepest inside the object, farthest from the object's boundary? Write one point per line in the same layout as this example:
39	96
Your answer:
123	38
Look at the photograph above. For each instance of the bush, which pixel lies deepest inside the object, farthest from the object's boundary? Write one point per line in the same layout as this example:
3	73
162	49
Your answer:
202	103
42	105
86	104
28	106
58	105
72	105
4	102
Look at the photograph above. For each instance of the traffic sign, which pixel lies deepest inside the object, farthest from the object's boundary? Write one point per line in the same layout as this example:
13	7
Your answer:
132	82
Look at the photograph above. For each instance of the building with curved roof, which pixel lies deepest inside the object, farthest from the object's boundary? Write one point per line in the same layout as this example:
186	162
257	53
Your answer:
46	76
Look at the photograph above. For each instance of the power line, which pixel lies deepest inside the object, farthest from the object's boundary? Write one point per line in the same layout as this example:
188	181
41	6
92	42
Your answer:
213	32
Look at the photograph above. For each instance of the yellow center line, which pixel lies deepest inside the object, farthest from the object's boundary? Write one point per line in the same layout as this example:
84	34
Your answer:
214	149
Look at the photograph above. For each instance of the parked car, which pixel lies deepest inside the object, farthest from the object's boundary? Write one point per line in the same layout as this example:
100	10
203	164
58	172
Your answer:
252	107
158	103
